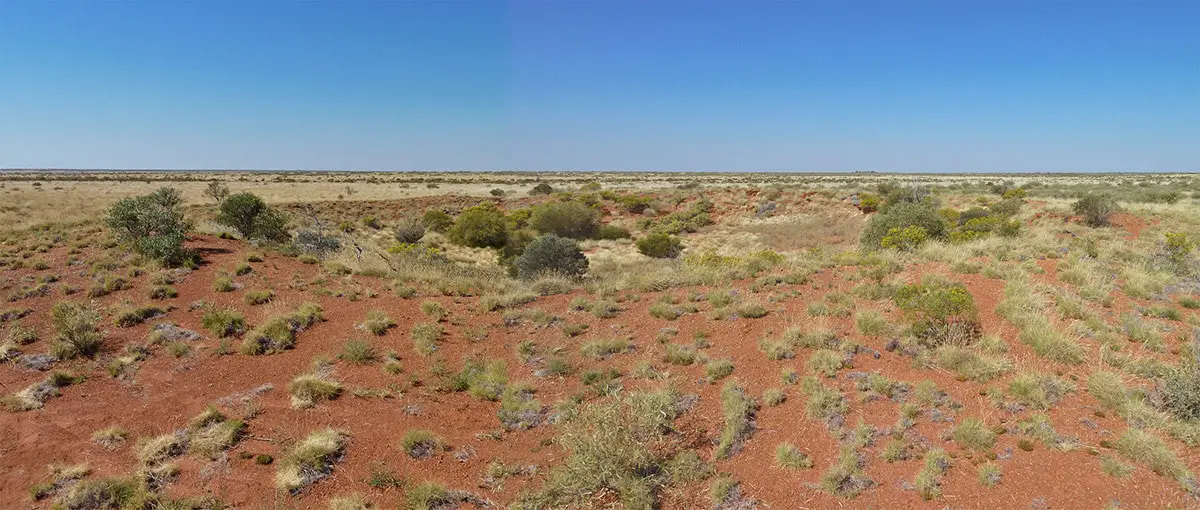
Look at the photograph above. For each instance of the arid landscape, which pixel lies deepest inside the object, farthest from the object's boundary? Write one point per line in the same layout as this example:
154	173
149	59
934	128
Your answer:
598	340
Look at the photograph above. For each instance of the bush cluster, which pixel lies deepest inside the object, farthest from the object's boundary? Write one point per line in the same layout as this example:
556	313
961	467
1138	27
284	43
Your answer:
549	253
252	218
660	245
901	216
1096	208
153	225
942	312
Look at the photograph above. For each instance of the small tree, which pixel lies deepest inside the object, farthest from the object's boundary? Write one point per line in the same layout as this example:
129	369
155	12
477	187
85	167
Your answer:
437	220
660	246
1096	208
551	254
152	224
480	226
566	219
541	189
252	218
217	191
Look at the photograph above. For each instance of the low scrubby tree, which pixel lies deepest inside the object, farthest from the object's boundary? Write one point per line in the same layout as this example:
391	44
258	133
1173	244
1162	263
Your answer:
252	218
409	231
901	216
566	219
1096	208
660	246
437	220
551	254
480	226
217	191
153	225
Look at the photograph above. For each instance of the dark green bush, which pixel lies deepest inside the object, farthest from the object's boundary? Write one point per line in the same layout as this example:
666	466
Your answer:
252	218
514	246
1095	208
541	189
437	220
660	246
153	225
900	216
566	219
551	254
480	226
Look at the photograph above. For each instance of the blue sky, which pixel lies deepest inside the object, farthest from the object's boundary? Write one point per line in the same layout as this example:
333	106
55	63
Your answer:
896	85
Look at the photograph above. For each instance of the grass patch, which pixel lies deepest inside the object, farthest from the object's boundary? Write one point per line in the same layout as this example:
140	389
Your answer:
425	338
787	456
310	460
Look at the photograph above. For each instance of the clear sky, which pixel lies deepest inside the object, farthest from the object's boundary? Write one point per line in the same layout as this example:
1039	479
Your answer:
615	85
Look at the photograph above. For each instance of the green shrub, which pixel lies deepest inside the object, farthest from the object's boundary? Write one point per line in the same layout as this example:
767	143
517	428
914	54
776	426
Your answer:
660	246
904	239
613	232
1095	208
902	216
541	189
566	219
480	226
942	312
437	220
153	225
550	253
252	218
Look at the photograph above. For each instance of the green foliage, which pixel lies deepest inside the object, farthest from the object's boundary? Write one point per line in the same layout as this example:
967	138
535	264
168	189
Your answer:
570	219
942	312
613	232
153	225
480	226
904	239
660	245
550	253
1096	208
437	220
902	216
252	218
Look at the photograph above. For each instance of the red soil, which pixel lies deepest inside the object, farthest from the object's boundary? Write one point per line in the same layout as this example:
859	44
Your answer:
165	392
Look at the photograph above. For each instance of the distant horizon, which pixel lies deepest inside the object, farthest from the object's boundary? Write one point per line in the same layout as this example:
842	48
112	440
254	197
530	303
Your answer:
780	172
907	86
